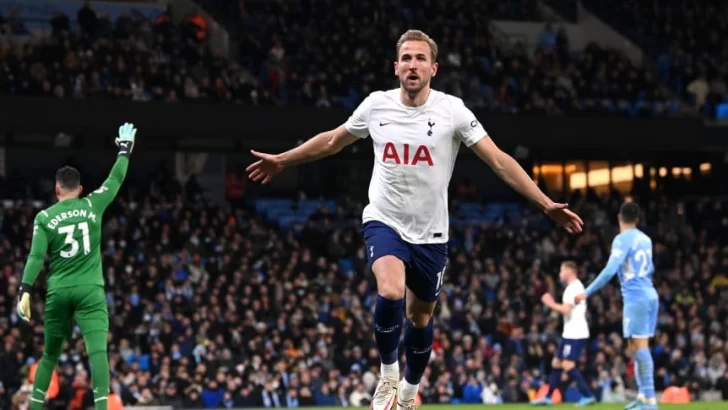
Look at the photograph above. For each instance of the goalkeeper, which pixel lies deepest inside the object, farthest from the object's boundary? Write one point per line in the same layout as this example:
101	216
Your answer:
70	231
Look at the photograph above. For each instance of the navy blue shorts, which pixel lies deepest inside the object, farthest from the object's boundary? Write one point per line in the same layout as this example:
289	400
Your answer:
425	264
570	349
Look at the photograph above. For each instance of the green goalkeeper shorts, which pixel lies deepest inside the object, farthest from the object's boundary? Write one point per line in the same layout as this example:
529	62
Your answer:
86	304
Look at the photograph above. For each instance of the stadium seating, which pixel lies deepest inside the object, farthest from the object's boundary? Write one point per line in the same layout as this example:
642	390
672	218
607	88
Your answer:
335	67
266	300
685	40
211	302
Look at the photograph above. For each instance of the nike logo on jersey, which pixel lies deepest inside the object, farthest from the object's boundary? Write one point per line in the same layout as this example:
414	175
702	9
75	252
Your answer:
382	124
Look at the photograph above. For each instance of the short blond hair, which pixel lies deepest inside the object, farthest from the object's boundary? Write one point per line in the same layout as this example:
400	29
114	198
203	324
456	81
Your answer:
569	264
418	35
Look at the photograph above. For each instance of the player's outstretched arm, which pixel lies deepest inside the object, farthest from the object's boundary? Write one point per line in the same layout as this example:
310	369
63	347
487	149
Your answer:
105	194
38	249
616	259
514	175
322	145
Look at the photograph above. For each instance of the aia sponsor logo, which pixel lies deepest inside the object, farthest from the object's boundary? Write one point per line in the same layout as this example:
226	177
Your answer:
407	154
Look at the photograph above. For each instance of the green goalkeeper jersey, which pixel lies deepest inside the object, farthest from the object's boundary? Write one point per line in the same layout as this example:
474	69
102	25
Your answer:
70	233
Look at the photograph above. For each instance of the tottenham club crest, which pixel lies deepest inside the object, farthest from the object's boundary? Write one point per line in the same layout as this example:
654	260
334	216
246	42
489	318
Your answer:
431	124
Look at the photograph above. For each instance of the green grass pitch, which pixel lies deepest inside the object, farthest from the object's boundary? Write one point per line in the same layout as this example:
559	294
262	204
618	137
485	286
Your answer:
616	406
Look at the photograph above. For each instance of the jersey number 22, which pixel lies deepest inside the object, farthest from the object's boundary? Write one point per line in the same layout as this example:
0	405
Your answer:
70	240
643	258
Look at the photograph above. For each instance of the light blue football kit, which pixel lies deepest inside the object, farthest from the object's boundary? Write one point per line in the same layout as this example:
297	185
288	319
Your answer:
631	260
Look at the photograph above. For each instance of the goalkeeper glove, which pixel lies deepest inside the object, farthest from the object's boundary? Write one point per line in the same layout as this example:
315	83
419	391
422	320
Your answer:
23	306
125	140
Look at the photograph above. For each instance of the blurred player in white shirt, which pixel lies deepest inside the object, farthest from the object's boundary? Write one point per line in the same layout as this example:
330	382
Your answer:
574	337
416	132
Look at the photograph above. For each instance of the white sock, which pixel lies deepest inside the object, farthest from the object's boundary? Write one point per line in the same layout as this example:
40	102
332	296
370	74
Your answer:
407	391
390	370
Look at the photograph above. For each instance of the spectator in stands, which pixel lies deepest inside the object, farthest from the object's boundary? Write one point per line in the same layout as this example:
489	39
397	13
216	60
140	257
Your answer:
60	24
13	24
699	89
683	48
87	18
174	63
123	26
223	308
547	38
196	26
104	27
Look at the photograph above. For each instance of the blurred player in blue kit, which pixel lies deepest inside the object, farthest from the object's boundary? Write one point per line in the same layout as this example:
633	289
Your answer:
631	260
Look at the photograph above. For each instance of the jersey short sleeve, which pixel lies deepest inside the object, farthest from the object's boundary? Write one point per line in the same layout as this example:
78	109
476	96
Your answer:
467	128
569	295
619	249
358	122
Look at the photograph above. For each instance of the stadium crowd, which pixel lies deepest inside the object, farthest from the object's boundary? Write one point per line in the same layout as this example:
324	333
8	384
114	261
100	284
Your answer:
216	307
320	54
684	38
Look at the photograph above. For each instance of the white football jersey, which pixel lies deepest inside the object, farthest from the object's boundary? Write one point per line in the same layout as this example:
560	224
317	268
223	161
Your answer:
575	324
414	154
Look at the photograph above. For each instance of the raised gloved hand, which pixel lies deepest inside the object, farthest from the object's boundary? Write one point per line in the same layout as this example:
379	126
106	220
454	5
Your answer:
125	140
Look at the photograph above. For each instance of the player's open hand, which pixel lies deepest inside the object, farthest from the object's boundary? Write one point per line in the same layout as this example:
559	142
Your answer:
547	299
125	140
265	169
579	298
563	216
